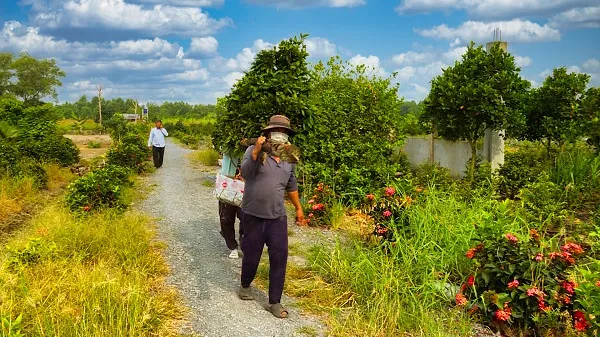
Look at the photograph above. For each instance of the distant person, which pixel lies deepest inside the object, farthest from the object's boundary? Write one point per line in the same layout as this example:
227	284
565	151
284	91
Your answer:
268	171
157	142
227	212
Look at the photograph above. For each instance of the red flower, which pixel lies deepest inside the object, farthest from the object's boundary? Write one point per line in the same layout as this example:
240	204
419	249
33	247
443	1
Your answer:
534	234
320	187
311	201
510	237
581	323
461	300
471	253
419	189
513	285
389	191
568	257
86	208
382	230
503	315
471	281
533	291
371	197
539	257
572	248
543	307
569	287
310	215
387	213
554	255
598	283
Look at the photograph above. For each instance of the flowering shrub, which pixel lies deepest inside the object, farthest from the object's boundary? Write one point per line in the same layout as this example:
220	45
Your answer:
523	283
318	207
386	210
588	296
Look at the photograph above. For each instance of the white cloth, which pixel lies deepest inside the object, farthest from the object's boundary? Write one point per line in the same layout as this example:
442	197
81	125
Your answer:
157	137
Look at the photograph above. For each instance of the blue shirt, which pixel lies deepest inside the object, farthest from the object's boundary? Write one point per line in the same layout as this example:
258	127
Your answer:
229	166
157	137
266	185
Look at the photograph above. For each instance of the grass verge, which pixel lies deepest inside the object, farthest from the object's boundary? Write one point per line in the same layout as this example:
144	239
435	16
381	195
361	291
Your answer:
100	275
206	157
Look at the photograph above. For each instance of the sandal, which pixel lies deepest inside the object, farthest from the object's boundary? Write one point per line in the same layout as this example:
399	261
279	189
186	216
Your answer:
277	310
245	294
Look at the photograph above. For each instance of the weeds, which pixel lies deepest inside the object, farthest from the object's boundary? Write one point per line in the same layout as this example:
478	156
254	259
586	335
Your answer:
206	157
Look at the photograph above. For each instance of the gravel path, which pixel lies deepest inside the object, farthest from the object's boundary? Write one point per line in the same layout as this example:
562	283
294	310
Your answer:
205	277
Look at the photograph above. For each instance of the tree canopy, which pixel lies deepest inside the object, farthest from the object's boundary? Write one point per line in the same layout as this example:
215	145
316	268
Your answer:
36	79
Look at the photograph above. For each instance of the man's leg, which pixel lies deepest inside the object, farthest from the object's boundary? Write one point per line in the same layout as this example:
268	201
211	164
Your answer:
252	246
240	217
227	215
162	156
277	241
156	156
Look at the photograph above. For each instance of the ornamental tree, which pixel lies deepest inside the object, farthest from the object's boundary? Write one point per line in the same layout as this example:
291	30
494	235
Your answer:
36	79
278	82
481	91
553	113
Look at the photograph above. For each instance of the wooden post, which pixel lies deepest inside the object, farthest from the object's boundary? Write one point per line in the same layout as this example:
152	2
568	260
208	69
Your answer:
432	138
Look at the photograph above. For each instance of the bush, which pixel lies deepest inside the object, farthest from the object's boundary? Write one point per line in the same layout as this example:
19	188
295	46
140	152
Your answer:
522	284
94	145
53	148
98	189
387	211
131	153
434	176
319	209
9	154
543	199
27	167
520	169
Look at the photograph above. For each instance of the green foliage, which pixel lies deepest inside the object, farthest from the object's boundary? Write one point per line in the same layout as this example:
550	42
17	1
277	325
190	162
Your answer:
36	79
278	82
520	169
117	126
98	189
553	111
6	60
590	109
207	157
10	327
128	155
94	145
54	148
482	91
355	119
28	167
35	250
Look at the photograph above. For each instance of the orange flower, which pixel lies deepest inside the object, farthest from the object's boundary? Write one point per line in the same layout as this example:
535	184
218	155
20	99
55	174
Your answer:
503	315
461	300
513	285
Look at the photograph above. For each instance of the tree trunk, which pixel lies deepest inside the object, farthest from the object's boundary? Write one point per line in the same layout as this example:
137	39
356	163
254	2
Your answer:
473	161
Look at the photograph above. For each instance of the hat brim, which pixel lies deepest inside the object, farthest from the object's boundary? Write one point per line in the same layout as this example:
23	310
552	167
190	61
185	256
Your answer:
288	129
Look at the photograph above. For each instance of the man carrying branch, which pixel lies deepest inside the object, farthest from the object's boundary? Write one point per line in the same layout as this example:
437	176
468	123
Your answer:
268	169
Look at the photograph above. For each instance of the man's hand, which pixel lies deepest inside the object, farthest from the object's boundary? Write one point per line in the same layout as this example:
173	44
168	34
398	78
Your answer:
300	221
258	147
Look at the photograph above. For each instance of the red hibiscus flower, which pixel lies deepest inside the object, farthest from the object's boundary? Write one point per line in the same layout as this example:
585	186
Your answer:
513	285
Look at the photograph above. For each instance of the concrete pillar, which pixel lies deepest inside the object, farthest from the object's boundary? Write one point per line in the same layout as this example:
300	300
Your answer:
493	144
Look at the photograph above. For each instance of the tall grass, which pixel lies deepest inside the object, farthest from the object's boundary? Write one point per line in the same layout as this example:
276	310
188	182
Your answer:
408	286
206	157
100	275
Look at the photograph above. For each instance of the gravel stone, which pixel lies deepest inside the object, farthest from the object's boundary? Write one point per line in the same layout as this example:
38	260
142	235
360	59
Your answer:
206	278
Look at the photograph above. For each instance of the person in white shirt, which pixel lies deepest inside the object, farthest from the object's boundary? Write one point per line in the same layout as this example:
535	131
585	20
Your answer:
157	142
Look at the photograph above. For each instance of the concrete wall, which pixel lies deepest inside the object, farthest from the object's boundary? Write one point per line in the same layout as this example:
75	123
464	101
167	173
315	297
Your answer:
451	155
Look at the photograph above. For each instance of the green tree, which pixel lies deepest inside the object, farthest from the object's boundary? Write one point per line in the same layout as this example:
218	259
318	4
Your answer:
5	72
278	82
553	111
481	91
352	128
36	79
590	109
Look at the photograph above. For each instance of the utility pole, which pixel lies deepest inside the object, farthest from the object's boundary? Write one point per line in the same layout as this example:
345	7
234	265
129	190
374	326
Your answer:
135	106
99	87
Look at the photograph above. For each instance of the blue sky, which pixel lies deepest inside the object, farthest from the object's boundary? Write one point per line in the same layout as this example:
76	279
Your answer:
195	50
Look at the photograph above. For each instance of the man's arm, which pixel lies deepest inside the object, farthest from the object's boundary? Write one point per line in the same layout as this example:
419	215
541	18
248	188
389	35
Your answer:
292	189
249	164
164	131
150	138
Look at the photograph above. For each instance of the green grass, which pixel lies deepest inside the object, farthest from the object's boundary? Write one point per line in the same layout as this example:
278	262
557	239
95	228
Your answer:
365	291
206	157
100	275
70	126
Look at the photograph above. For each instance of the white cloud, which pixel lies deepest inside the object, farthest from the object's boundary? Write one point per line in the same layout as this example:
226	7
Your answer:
411	57
17	38
309	3
454	54
372	63
320	48
242	60
232	78
516	30
523	61
586	17
591	65
118	15
184	3
494	8
203	46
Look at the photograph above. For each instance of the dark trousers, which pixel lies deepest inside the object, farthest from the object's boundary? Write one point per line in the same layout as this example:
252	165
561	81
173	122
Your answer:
257	233
227	214
158	153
